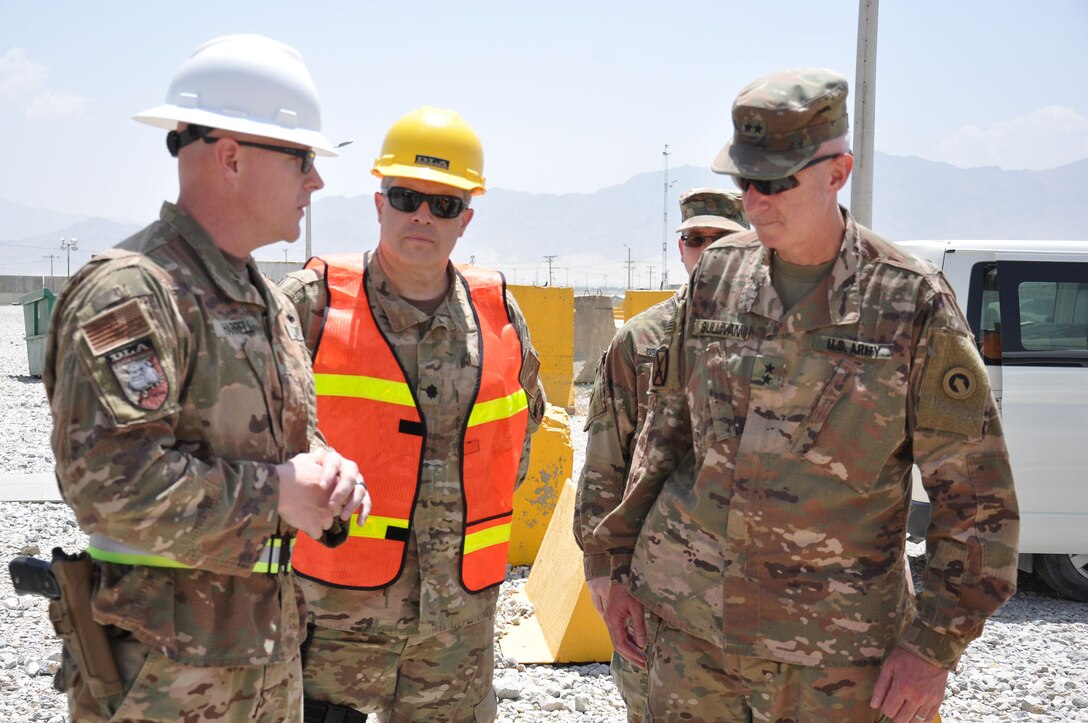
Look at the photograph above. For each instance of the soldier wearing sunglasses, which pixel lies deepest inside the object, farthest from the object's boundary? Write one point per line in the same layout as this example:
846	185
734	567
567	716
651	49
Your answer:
757	556
424	370
617	408
183	402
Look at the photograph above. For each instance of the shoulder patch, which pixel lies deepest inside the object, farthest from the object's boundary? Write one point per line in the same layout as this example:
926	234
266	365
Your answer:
122	337
953	397
139	374
116	327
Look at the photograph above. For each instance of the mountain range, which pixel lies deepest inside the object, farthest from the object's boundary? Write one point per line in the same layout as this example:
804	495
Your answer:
590	237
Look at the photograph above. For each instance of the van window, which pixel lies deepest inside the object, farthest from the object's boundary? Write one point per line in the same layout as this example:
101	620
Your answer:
1030	312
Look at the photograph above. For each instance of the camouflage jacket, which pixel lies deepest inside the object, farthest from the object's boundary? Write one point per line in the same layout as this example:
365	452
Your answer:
177	383
433	349
792	436
617	409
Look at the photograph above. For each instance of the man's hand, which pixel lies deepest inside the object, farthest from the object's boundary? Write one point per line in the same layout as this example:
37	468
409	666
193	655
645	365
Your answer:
598	593
317	486
909	689
624	616
350	492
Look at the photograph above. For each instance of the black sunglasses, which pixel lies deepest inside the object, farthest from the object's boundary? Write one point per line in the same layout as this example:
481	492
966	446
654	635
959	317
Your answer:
775	186
176	140
441	205
695	240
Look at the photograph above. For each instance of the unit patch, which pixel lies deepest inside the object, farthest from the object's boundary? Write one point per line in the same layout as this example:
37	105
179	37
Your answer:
661	366
722	329
959	383
853	347
139	374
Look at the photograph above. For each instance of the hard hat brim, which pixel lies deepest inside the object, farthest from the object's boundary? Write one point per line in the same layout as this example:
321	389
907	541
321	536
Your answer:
168	116
423	173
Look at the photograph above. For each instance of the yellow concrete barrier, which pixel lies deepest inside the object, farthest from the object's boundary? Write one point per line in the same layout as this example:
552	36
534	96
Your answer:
635	302
549	312
550	462
564	627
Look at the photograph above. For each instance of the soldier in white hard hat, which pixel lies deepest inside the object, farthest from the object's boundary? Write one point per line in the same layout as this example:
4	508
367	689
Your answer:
427	377
183	410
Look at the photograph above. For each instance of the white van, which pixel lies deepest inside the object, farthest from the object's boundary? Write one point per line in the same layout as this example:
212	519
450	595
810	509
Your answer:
1027	304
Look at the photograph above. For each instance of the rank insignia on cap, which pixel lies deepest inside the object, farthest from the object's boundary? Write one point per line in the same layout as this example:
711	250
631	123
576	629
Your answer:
958	383
139	374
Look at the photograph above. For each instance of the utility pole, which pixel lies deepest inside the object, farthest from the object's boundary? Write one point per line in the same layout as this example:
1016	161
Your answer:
549	259
665	225
650	276
629	265
861	187
51	282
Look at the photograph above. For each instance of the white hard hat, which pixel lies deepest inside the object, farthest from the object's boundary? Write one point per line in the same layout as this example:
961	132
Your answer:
245	83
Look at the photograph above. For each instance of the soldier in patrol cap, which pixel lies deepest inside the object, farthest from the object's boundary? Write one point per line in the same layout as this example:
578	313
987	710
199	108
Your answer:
426	375
617	408
183	409
763	528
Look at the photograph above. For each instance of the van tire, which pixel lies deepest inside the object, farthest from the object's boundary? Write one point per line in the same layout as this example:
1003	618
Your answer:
1065	574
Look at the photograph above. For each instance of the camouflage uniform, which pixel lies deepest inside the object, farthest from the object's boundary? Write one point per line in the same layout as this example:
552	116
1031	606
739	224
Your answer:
774	469
616	412
177	383
617	409
421	648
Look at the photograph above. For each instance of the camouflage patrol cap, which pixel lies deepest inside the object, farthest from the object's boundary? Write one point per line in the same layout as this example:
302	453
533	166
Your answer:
780	121
712	208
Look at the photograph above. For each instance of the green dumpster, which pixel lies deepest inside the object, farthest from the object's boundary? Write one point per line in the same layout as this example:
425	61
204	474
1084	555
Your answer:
37	306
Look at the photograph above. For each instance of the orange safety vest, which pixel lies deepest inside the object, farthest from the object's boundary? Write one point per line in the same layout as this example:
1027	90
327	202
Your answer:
369	413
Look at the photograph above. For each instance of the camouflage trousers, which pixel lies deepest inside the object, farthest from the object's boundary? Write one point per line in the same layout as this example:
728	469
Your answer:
631	682
158	689
693	679
441	678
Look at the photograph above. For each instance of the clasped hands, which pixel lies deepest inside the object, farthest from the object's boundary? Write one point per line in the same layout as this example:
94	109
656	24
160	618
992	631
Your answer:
317	487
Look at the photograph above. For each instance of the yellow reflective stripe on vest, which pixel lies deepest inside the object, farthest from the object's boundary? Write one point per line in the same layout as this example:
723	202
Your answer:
496	409
496	535
104	549
375	526
360	387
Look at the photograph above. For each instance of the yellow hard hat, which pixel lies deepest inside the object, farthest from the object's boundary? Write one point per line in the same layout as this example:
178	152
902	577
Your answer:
433	144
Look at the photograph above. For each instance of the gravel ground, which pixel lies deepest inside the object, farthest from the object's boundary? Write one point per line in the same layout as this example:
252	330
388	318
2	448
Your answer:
1031	663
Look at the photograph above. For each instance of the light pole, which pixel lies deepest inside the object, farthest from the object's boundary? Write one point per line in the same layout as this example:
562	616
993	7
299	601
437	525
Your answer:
309	213
68	246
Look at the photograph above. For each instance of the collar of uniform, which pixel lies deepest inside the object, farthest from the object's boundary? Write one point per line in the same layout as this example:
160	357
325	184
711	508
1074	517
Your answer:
402	314
844	298
235	284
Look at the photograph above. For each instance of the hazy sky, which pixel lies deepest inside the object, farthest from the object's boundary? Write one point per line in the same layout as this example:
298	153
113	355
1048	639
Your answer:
567	96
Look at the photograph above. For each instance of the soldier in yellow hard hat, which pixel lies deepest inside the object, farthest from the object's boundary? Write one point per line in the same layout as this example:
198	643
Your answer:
425	372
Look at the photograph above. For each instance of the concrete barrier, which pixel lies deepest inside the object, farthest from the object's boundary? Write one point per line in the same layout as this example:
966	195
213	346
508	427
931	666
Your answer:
564	626
549	312
635	302
550	463
594	327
